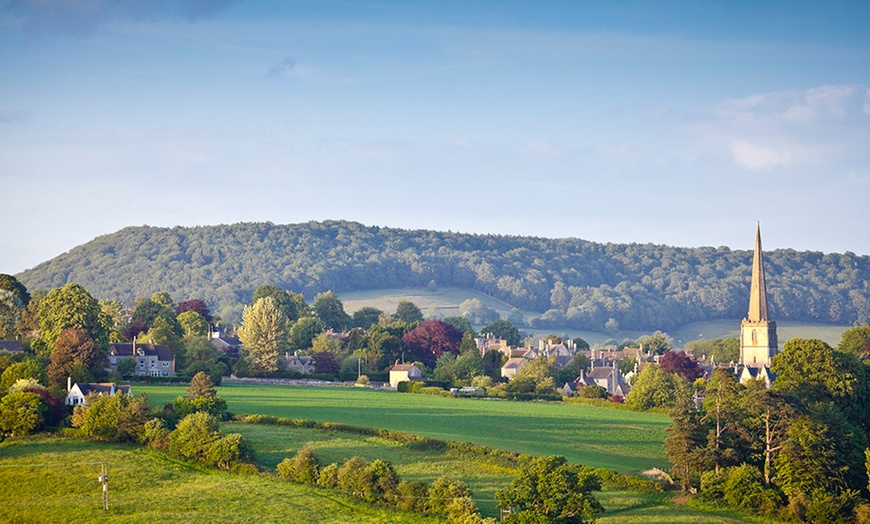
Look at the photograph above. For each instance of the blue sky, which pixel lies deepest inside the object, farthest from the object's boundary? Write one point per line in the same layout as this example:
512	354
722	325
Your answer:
668	122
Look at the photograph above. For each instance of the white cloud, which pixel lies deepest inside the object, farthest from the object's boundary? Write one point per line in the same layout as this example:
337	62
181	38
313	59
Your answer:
756	157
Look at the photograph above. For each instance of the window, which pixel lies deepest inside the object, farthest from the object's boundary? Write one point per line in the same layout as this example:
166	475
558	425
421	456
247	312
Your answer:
165	364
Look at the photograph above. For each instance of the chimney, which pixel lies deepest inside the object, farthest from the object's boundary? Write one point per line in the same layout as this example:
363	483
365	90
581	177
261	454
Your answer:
68	383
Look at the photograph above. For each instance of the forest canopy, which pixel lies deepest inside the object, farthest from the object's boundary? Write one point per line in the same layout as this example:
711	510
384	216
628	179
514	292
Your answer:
569	282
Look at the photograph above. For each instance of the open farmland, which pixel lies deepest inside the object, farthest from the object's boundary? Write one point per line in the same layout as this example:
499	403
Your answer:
599	437
55	480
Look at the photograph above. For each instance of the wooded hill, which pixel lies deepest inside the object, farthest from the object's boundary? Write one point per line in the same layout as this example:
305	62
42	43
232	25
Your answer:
569	282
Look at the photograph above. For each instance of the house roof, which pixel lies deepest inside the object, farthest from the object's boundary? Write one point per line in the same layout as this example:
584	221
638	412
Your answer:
403	367
12	346
513	363
101	387
126	350
599	373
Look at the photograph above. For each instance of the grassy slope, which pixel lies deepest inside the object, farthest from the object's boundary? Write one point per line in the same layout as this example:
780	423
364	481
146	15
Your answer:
600	437
55	480
274	443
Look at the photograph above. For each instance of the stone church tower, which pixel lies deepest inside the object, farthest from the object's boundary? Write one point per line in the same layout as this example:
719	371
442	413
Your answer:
758	343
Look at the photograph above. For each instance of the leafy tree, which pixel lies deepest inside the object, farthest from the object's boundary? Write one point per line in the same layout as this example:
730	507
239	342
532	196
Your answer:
116	418
328	308
21	413
571	371
193	324
538	372
492	362
304	331
477	312
504	330
451	499
264	335
75	345
127	367
725	415
768	416
11	284
326	363
653	388
166	331
197	305
28	368
201	356
282	299
680	363
198	438
811	370
658	343
363	318
11	310
822	451
71	306
164	299
549	489
684	445
856	341
408	312
461	324
580	344
302	307
431	339
719	350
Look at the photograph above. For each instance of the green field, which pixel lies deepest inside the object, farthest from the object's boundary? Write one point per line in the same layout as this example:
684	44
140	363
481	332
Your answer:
595	436
785	329
55	480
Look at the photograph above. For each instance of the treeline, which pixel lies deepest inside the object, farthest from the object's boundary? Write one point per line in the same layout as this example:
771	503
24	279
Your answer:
569	282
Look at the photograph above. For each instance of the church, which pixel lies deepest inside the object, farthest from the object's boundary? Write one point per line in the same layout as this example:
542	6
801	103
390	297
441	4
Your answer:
758	342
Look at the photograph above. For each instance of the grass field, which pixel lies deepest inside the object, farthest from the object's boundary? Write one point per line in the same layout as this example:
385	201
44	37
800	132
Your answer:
785	329
595	436
55	480
50	479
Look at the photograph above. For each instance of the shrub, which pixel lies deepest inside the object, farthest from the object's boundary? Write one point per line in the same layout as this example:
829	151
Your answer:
303	468
451	499
21	413
228	450
116	418
197	438
412	496
328	476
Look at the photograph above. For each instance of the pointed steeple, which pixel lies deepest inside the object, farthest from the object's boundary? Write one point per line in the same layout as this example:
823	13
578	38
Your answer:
757	291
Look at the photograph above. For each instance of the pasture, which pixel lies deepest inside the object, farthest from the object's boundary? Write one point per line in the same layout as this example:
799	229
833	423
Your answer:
55	480
600	437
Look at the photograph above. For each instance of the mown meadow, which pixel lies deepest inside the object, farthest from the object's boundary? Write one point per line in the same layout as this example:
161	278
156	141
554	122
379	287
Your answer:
595	436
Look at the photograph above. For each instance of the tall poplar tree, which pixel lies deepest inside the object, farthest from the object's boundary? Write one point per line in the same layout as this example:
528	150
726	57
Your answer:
264	335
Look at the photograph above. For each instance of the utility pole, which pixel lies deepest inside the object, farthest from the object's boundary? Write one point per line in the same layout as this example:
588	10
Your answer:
104	479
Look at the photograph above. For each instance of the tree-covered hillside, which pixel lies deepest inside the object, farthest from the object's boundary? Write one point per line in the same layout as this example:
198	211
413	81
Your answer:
570	282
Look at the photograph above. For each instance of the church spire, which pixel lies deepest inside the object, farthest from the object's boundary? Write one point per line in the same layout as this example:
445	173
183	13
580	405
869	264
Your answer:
757	291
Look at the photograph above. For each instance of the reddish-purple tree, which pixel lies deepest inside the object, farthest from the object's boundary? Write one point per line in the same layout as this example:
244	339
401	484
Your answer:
430	340
680	363
134	329
326	363
193	305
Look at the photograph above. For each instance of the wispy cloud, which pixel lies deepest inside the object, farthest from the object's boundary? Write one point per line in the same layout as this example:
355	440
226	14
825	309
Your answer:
84	17
821	126
283	68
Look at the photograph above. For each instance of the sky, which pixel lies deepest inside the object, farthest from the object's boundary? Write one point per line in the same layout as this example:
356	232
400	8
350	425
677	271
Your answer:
670	122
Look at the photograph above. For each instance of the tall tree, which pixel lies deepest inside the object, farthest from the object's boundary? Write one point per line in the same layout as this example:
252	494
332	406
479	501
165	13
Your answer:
328	308
724	409
71	306
75	345
431	339
304	331
363	318
264	335
504	330
11	310
856	341
11	284
684	445
193	324
408	312
680	363
282	299
195	304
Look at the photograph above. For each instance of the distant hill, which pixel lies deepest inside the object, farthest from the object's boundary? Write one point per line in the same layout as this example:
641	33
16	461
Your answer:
569	282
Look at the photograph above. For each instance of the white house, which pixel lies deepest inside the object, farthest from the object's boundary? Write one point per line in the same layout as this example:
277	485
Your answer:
512	367
78	392
404	373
